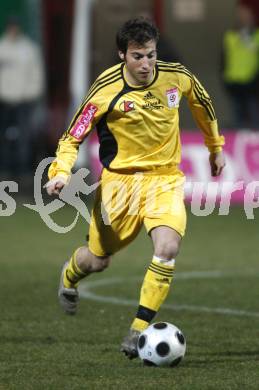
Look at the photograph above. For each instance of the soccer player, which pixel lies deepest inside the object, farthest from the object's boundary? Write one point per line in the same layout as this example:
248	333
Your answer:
134	107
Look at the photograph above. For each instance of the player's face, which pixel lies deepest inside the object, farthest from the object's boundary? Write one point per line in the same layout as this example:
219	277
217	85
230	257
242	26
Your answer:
140	62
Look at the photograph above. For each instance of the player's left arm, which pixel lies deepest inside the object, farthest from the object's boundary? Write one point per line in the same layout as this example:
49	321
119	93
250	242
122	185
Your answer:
203	113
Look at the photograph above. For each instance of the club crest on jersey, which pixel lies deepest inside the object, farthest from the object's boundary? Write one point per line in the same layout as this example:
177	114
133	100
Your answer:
127	106
172	97
83	121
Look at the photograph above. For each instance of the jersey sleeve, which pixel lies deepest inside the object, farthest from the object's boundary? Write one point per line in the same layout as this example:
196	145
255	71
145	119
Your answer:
83	122
202	110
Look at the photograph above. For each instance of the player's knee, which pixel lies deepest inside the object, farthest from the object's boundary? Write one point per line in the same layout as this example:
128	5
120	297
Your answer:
100	263
167	250
88	262
82	256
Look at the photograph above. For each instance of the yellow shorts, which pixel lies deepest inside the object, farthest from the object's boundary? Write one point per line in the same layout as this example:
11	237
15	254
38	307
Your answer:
124	202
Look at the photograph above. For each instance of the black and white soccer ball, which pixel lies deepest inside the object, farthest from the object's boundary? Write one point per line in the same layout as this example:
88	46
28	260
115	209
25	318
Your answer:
161	344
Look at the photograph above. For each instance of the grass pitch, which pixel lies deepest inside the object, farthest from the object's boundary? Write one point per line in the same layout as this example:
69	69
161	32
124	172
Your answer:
214	301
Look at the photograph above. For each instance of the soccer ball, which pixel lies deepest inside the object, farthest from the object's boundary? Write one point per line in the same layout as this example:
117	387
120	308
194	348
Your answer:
161	344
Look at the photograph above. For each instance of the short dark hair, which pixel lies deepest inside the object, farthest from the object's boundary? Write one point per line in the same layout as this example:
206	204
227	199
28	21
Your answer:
139	30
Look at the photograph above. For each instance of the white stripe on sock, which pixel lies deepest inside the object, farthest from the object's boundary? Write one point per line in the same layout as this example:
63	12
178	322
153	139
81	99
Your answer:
163	261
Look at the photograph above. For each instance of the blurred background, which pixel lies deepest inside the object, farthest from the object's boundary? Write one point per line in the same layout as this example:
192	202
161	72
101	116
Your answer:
52	50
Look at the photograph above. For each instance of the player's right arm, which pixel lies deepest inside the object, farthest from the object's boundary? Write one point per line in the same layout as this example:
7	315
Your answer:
85	119
87	116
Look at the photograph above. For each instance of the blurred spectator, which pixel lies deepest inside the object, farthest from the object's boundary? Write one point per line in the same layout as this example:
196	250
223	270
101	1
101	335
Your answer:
240	68
21	87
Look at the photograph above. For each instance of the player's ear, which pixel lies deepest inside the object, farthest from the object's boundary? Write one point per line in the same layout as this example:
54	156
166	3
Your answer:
121	55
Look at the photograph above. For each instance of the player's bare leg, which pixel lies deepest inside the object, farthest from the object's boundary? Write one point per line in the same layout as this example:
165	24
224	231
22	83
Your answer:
155	286
81	264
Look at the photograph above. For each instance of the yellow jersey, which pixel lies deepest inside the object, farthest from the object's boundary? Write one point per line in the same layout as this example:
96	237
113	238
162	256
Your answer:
138	127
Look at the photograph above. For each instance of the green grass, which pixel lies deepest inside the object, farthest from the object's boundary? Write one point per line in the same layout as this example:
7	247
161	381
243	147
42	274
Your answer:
41	348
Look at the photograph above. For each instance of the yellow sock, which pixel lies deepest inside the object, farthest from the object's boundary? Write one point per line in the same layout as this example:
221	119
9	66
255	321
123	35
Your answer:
73	273
153	292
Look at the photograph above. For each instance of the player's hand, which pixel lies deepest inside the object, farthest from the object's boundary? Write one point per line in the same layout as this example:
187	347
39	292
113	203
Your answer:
55	185
217	163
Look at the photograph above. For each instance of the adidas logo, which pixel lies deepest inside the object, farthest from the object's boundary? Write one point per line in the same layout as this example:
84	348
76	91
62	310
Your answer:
148	96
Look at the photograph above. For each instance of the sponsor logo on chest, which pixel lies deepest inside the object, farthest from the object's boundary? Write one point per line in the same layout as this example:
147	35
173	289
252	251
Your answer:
152	102
172	97
127	106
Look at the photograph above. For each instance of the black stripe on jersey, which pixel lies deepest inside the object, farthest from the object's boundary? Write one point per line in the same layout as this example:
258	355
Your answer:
108	144
103	79
160	62
207	105
175	70
96	84
207	101
174	67
168	64
99	86
88	98
204	101
199	89
111	72
172	64
93	91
